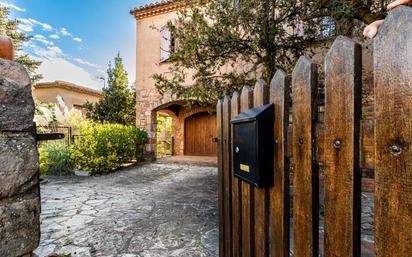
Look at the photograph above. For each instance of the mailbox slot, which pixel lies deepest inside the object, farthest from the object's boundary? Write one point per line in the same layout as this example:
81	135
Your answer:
252	146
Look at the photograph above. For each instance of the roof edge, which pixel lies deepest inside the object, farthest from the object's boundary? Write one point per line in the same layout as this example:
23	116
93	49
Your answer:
69	86
156	8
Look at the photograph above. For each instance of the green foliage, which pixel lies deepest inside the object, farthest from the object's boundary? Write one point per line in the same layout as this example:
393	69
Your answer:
229	44
164	136
9	28
103	148
118	103
55	159
347	14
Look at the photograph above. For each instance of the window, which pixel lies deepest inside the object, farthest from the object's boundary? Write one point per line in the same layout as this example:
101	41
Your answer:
167	44
236	4
328	28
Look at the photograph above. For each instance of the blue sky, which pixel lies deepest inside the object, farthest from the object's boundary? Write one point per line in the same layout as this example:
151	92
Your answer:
76	39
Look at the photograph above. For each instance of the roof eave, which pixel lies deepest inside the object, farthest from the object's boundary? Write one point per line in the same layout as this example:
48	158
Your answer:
155	9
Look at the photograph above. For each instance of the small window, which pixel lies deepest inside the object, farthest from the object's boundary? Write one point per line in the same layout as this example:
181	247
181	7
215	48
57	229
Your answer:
328	28
167	44
236	4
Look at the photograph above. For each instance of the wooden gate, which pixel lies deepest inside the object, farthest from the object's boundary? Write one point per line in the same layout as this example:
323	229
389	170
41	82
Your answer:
255	222
200	130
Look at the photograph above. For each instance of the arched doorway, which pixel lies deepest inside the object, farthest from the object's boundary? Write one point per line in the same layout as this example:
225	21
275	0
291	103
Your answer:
200	130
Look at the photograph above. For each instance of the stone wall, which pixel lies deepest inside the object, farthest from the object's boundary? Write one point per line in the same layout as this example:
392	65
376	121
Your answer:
147	100
19	184
148	103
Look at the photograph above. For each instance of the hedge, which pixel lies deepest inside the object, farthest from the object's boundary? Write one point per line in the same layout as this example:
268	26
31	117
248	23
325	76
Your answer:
102	148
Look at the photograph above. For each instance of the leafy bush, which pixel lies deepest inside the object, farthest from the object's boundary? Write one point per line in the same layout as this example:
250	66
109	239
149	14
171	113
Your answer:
55	159
164	136
102	148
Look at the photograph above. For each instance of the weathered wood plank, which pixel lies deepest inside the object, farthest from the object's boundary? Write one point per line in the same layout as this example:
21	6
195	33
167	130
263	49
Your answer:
306	180
393	132
279	193
236	193
227	181
220	184
343	93
261	205
248	232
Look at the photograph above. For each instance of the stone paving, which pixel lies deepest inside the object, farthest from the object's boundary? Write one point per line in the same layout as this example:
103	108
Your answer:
152	210
160	209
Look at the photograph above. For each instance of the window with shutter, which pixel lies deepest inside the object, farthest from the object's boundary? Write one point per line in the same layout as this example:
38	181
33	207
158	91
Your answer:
165	44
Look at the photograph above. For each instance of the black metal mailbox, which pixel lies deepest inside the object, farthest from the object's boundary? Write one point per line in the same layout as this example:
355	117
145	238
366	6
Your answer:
252	145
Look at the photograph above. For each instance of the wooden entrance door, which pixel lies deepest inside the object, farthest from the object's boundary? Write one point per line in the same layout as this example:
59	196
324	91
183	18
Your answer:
200	129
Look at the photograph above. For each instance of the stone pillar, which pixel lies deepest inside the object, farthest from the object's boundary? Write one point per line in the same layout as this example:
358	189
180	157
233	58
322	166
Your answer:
19	165
146	117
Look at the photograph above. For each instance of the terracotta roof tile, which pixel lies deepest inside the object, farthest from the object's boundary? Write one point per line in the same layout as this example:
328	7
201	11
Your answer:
152	5
155	8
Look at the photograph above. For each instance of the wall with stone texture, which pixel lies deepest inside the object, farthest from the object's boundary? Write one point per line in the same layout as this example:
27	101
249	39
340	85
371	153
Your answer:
19	184
147	64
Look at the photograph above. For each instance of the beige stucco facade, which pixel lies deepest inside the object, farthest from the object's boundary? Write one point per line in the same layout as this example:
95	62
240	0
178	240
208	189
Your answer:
149	20
74	96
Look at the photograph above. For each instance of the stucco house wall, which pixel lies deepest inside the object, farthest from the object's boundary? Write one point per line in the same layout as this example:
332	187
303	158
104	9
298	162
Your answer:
73	95
149	21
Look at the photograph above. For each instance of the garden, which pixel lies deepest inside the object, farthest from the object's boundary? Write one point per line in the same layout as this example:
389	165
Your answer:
96	148
103	140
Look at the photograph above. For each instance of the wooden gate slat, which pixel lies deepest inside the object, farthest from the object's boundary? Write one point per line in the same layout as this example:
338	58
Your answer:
279	193
220	184
343	71
227	181
261	204
393	132
306	181
236	193
248	242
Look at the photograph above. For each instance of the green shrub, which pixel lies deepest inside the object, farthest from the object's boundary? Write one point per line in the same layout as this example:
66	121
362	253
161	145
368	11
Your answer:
54	159
102	148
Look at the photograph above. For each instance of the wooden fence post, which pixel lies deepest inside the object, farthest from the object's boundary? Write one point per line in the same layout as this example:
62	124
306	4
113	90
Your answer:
343	76
236	193
261	205
393	135
306	177
248	237
279	193
227	181
220	185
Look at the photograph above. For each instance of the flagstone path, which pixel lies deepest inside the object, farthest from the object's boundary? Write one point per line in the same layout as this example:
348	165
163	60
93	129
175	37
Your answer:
163	209
152	210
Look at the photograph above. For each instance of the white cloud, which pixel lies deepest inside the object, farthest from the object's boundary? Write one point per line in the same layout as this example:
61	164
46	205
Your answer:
64	32
38	36
12	6
57	65
32	22
48	52
84	62
25	27
55	50
42	39
45	26
60	69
